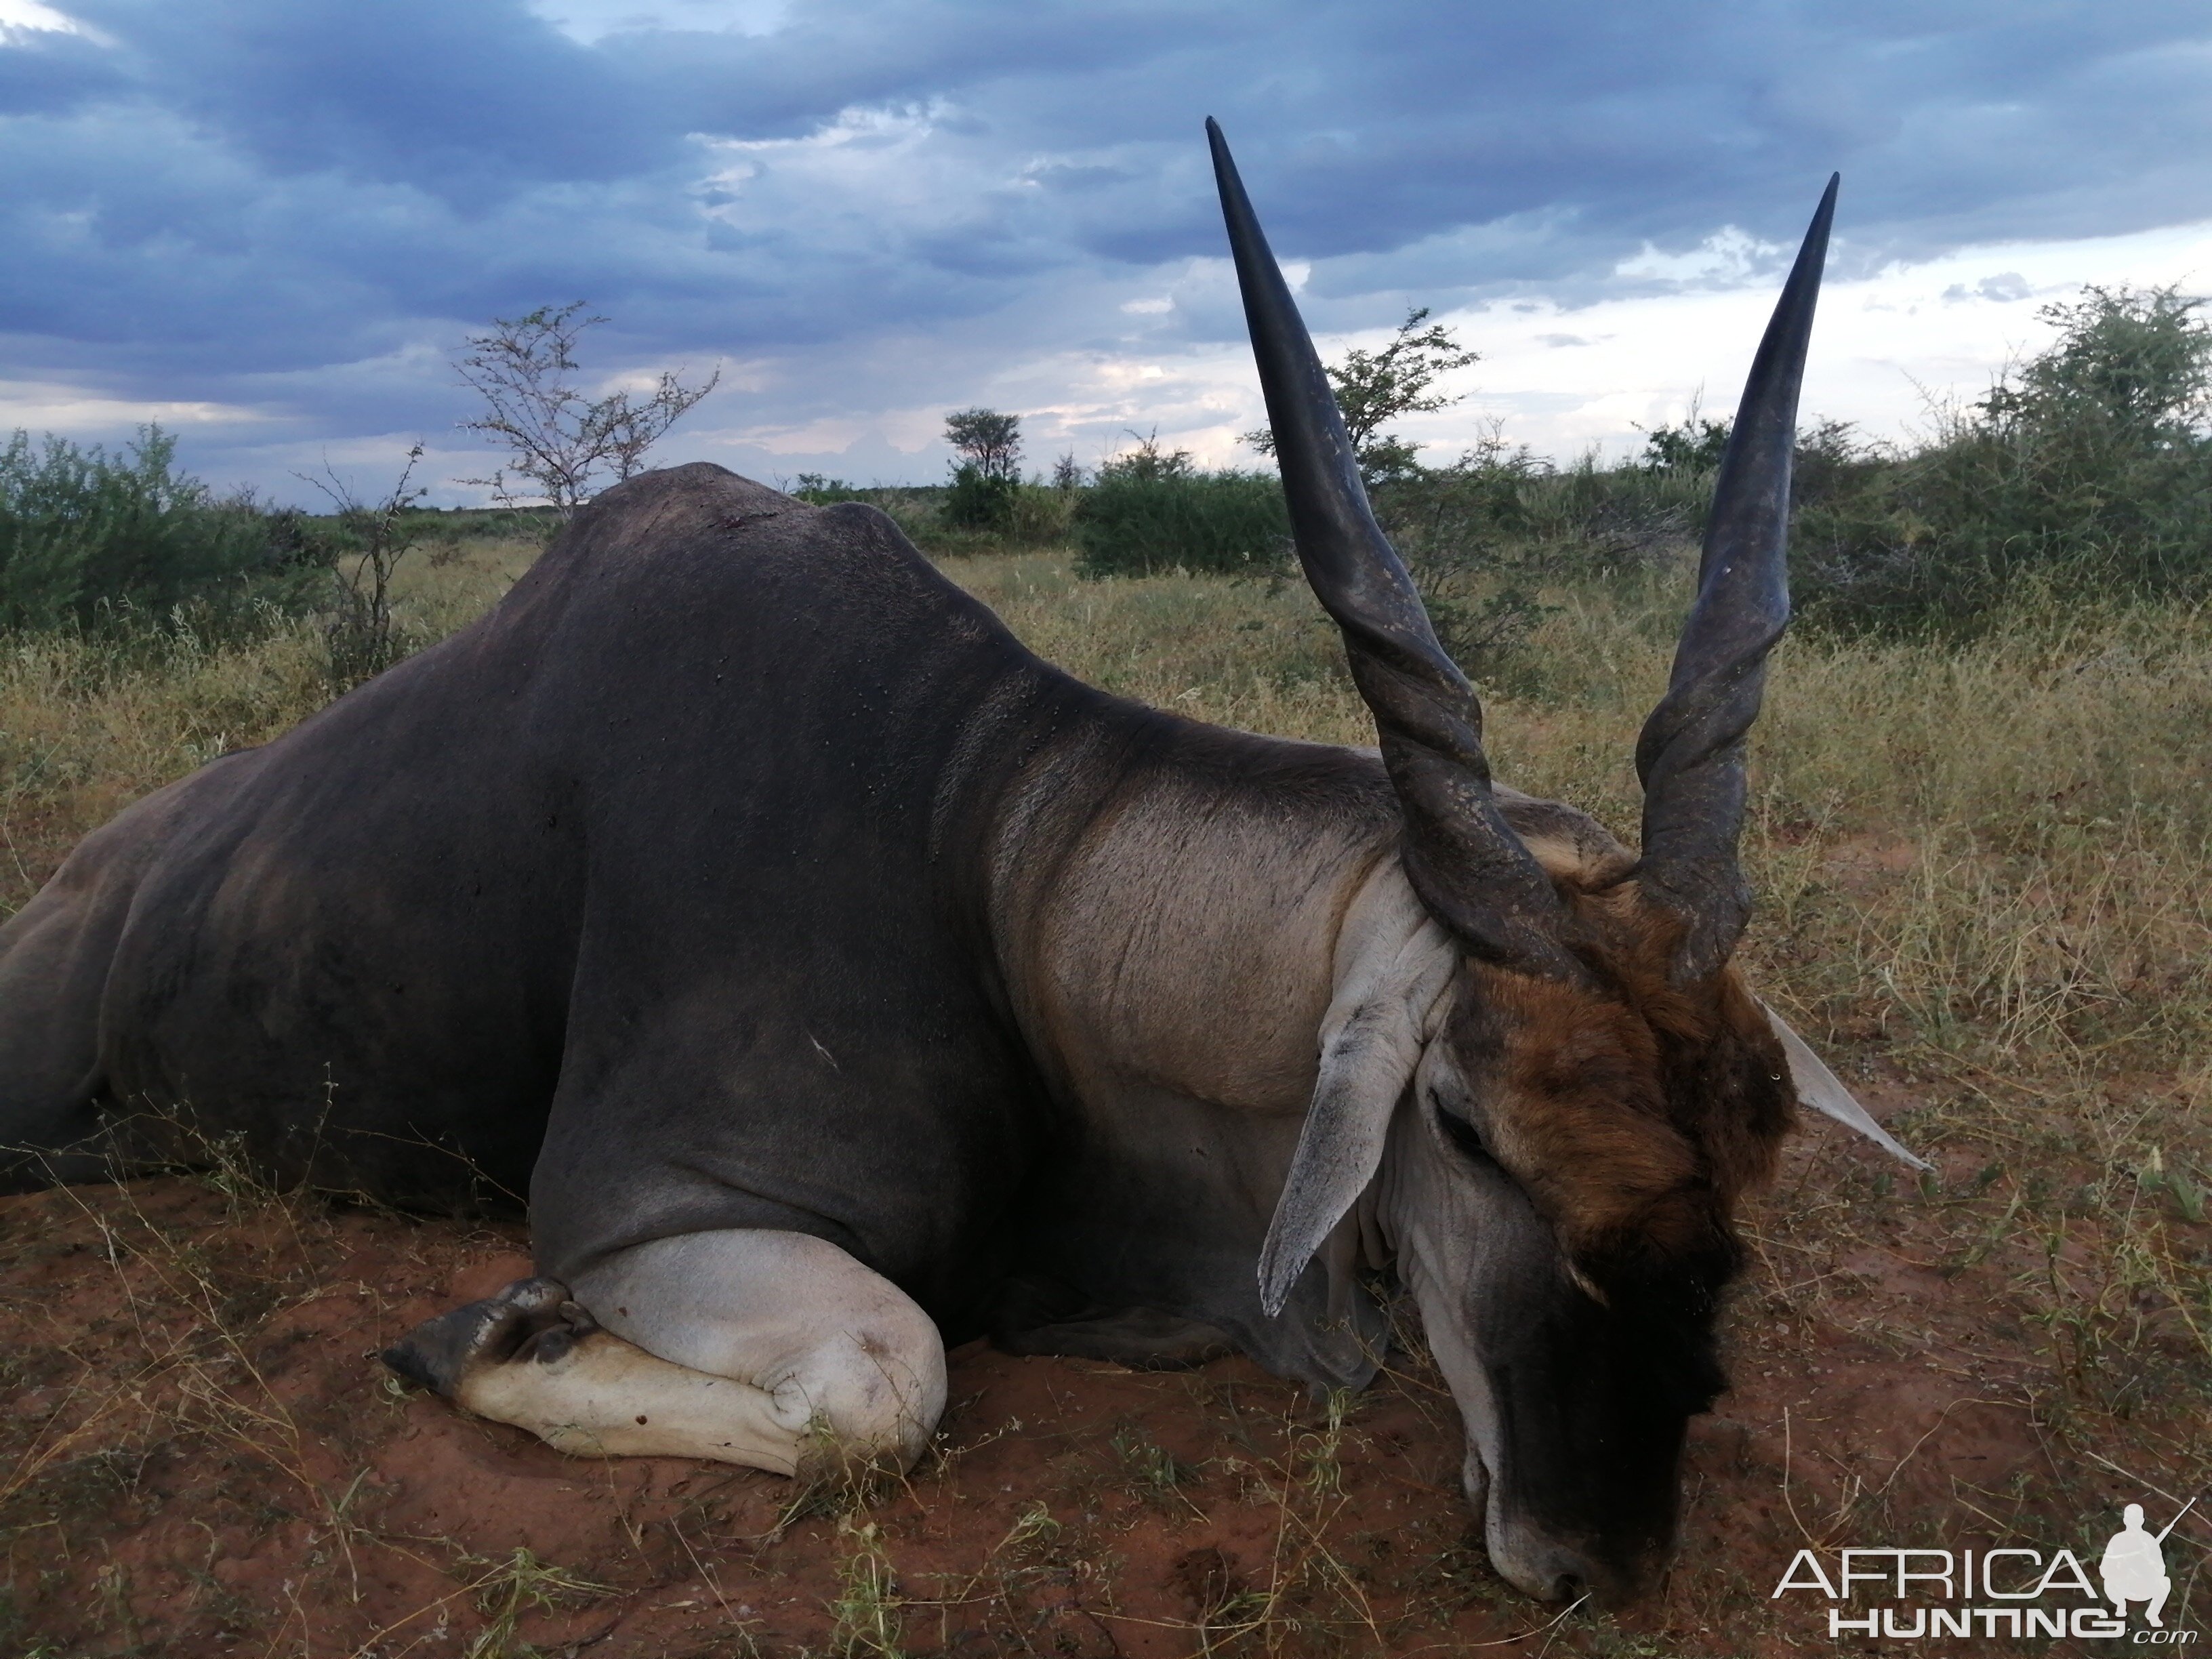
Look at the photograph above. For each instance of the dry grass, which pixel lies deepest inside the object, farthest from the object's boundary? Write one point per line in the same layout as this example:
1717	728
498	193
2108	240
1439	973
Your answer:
1985	875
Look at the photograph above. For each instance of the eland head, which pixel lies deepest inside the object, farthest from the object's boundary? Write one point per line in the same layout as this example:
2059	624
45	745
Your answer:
1551	1104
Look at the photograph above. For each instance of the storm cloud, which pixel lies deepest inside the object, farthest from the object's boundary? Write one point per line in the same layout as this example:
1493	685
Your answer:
292	210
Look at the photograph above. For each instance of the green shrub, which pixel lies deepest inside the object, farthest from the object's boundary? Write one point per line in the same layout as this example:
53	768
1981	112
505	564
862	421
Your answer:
1042	516
1233	522
446	530
87	536
938	520
819	489
1484	537
2086	472
980	500
2083	475
1501	510
1149	511
1695	445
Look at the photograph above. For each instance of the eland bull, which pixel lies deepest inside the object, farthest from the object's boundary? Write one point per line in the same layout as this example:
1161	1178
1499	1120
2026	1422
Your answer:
841	981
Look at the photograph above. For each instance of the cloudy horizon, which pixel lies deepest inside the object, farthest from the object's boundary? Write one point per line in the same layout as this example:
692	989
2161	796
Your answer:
269	224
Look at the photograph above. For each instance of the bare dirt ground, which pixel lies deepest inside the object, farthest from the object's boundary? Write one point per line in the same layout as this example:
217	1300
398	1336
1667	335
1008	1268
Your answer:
200	1453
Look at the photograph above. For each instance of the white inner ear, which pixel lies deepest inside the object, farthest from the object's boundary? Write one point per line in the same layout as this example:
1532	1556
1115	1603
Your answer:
1821	1089
1393	964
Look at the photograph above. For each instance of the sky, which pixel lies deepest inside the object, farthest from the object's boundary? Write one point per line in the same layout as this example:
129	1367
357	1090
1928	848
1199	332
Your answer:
270	225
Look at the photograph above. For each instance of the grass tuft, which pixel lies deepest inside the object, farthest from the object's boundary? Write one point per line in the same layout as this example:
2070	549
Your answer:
510	1590
870	1621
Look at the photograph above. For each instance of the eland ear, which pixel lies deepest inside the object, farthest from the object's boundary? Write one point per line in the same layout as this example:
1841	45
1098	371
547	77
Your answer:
1371	1041
1823	1092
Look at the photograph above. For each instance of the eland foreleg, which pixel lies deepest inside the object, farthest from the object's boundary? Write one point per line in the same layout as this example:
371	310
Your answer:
774	1350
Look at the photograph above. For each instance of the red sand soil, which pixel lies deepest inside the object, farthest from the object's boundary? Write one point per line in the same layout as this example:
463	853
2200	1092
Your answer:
200	1455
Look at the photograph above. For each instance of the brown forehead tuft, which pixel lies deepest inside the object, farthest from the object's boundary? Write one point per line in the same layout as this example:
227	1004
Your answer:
1635	1112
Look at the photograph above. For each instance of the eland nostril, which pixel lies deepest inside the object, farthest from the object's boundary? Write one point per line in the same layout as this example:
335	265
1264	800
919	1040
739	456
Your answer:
1542	1559
1551	1568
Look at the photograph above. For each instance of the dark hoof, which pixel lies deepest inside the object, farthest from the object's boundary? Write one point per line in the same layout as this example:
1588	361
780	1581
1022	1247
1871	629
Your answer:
532	1317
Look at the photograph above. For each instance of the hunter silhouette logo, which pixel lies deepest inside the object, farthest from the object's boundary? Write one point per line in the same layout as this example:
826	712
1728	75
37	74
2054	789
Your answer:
2133	1567
2010	1592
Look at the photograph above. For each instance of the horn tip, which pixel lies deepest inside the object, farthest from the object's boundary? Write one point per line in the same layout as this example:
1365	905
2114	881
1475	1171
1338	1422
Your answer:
1826	211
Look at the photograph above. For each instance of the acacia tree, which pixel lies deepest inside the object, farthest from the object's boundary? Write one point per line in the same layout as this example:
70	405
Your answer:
1374	388
985	479
990	441
559	441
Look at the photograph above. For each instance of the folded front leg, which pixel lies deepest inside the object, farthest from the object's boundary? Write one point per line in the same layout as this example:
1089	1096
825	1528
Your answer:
773	1350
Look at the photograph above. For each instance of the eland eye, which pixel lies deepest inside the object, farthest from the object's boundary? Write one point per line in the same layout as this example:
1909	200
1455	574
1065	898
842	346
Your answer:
1462	1134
